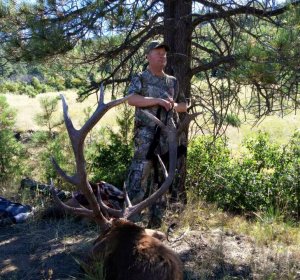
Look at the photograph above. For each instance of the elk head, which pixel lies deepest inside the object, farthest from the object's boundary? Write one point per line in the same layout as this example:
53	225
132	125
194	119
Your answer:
127	251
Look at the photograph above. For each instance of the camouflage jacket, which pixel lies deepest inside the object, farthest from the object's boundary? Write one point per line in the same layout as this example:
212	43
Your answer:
148	85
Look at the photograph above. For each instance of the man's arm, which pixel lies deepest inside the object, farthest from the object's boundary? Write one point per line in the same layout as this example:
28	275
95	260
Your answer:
180	107
142	101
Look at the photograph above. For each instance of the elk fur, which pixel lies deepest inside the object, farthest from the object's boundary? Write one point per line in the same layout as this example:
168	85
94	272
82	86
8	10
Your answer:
129	252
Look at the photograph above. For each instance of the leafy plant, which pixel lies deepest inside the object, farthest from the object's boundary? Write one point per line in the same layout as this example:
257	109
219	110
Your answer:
265	176
46	118
11	151
110	157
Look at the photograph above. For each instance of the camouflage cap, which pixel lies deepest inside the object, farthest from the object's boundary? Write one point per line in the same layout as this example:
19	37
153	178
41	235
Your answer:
156	45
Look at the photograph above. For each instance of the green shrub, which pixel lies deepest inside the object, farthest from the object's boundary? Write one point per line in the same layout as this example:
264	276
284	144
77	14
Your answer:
29	90
46	118
56	82
75	82
265	176
10	87
109	158
35	82
11	151
208	162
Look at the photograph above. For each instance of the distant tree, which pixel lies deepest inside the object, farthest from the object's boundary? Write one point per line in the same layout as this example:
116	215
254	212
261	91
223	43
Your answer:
229	45
46	117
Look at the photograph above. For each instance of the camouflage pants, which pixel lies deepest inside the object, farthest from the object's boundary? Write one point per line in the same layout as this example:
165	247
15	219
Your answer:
140	181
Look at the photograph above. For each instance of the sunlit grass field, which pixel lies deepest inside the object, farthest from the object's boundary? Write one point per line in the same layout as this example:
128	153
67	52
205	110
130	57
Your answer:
27	108
280	129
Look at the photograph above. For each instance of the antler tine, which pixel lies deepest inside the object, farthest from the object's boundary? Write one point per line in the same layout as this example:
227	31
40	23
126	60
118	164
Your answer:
82	211
126	195
102	108
71	179
68	122
113	212
165	172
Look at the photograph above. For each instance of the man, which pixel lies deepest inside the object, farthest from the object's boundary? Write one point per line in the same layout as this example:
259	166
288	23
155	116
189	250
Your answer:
157	92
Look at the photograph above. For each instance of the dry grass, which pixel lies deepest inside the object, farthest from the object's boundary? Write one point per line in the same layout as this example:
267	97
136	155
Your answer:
27	107
280	130
231	247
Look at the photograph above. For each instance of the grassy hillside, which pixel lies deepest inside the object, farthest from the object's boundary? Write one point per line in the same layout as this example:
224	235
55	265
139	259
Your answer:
279	128
27	107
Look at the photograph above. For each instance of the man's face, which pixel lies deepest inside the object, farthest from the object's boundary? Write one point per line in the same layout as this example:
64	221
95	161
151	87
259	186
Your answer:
157	57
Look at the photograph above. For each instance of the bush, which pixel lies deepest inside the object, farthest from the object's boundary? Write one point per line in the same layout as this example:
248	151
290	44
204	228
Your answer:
109	158
29	91
10	87
266	176
56	82
208	162
35	82
11	151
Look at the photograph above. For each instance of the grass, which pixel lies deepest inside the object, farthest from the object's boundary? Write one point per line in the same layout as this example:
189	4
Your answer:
280	130
27	107
269	247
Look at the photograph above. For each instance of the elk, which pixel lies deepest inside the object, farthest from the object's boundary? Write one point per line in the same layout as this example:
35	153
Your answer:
126	250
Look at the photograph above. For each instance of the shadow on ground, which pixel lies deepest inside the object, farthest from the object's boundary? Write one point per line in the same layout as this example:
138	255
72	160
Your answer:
43	249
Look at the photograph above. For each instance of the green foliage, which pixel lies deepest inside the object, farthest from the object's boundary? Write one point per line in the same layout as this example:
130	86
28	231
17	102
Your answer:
11	151
54	142
46	117
94	271
29	90
109	159
33	78
37	84
208	158
265	176
60	149
233	120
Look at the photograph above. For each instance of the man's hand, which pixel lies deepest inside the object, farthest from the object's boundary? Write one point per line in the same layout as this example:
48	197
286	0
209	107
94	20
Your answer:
168	104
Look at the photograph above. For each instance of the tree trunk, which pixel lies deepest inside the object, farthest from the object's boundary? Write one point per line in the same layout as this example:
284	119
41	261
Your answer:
178	34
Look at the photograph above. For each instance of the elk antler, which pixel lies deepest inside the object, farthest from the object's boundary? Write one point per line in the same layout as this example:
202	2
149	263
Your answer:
172	133
77	138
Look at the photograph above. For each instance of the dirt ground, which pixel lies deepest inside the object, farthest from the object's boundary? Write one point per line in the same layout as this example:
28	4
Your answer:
53	249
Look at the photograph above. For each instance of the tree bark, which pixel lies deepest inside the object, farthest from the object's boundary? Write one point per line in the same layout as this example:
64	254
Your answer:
178	33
